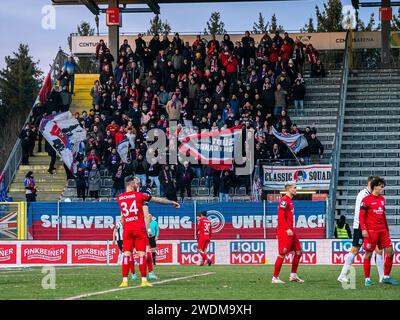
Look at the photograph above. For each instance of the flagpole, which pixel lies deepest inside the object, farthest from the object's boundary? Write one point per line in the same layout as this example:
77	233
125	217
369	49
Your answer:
298	161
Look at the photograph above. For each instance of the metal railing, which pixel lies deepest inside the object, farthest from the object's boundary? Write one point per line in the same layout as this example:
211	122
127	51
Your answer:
370	59
335	157
15	157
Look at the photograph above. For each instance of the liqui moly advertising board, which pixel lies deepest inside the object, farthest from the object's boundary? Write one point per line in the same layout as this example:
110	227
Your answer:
187	253
309	253
247	252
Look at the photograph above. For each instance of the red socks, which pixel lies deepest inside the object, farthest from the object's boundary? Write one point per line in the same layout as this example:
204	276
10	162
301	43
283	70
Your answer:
295	262
125	266
204	257
367	267
143	266
149	262
388	265
132	264
278	266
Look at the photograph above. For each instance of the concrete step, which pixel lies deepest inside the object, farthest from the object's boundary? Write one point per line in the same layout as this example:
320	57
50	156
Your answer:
373	101
358	143
42	196
367	153
356	168
391	178
38	167
374	136
341	187
376	125
345	197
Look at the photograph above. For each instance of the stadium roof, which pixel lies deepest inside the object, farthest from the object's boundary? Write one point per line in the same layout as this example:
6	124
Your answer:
153	5
104	2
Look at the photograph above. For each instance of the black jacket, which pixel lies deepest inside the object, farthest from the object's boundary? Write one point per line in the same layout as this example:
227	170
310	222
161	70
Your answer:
315	146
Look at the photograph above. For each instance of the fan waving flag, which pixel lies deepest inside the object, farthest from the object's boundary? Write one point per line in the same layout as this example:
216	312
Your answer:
64	133
45	90
123	149
295	142
215	148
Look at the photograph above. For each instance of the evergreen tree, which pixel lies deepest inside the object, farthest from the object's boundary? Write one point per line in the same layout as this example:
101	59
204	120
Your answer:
19	86
86	64
19	82
308	27
261	26
274	25
396	21
331	18
157	26
371	24
215	24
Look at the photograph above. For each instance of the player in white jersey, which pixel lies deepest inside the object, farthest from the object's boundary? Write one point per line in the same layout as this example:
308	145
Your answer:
358	239
117	236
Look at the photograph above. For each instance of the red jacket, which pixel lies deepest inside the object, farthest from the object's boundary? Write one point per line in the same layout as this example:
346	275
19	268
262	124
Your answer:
119	136
274	54
286	51
113	129
231	66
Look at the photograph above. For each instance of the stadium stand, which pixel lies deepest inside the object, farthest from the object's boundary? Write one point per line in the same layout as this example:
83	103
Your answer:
212	68
370	143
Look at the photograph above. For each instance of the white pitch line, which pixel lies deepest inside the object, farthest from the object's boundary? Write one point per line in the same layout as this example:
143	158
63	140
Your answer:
134	287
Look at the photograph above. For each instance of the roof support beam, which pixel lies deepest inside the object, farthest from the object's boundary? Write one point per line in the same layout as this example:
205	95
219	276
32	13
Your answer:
153	5
92	6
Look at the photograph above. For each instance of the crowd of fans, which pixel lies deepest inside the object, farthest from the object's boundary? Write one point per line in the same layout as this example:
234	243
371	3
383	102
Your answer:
214	85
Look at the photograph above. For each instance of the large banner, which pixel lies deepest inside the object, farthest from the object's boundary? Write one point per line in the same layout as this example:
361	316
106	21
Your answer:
320	40
214	148
315	177
221	252
64	133
230	220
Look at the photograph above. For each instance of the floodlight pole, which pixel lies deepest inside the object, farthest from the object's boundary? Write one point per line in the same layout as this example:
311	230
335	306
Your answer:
385	37
113	33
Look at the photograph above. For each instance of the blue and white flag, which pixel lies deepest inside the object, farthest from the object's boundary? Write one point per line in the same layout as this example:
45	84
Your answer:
295	142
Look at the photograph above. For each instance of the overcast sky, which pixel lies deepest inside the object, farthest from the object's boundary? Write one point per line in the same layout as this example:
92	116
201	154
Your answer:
21	21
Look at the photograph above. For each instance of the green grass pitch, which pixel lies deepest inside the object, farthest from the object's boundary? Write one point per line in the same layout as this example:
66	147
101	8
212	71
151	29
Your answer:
225	282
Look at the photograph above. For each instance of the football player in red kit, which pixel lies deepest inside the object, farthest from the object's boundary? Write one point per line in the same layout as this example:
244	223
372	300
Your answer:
133	219
287	238
375	231
204	232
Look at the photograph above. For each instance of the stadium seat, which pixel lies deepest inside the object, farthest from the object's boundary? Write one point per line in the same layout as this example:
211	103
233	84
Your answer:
202	182
71	183
108	183
240	191
105	192
195	182
69	192
194	191
203	191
